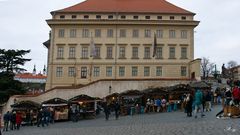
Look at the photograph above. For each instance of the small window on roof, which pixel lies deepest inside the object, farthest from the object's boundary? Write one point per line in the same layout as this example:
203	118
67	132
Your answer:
98	16
123	17
171	17
62	16
159	17
110	17
147	17
74	16
85	16
135	17
184	18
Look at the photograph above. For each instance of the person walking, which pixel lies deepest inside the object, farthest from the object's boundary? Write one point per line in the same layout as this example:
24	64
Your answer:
6	119
198	102
13	120
18	120
117	110
208	101
189	102
106	110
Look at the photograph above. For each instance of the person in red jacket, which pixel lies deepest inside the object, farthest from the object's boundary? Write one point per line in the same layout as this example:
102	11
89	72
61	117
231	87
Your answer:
236	95
18	120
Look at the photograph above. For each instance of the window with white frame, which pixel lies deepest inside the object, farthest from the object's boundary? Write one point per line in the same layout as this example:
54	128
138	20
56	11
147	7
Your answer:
59	72
171	52
146	71
159	34
146	52
147	33
183	52
85	33
110	33
72	52
98	33
183	71
60	52
159	52
109	52
108	71
73	33
83	72
134	71
61	33
135	33
85	52
184	34
135	52
71	71
121	71
122	33
122	52
96	71
172	34
97	52
159	71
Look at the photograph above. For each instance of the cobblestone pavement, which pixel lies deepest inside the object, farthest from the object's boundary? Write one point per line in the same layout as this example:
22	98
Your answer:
174	123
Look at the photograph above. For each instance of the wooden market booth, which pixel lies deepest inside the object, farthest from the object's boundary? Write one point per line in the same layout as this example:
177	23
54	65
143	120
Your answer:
28	110
85	105
59	107
129	100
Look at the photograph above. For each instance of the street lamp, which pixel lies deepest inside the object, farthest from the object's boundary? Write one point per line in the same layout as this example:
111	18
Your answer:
110	89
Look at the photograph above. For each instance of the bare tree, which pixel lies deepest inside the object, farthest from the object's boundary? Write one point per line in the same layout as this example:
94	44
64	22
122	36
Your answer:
231	65
207	67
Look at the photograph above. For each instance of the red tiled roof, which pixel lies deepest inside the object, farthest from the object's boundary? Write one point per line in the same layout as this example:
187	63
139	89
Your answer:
30	76
131	6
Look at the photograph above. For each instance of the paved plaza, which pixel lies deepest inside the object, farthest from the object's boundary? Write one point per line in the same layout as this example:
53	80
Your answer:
174	123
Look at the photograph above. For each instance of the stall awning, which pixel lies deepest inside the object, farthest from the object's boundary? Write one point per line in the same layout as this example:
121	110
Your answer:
25	105
55	102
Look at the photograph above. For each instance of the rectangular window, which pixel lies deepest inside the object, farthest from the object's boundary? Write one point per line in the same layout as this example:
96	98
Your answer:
97	50
146	71
159	53
123	17
122	52
110	33
74	16
71	71
172	34
159	17
84	52
183	52
121	71
183	34
147	17
147	33
134	71
110	17
135	33
135	52
85	33
159	71
171	52
59	72
72	51
159	34
61	33
85	16
109	52
83	72
96	71
135	17
97	33
122	33
73	33
60	52
62	16
184	18
98	16
146	52
183	71
172	17
109	71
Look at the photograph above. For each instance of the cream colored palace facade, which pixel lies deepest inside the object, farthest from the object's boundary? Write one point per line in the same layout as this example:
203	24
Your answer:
123	47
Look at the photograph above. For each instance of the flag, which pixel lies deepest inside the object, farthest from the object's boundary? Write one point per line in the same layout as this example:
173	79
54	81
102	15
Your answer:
92	48
154	45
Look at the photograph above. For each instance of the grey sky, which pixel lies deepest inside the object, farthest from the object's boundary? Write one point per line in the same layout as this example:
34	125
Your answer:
23	26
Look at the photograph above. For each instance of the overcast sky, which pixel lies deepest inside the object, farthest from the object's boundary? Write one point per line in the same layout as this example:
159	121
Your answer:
23	26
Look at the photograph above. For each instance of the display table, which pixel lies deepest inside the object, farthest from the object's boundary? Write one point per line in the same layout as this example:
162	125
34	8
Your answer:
61	116
231	111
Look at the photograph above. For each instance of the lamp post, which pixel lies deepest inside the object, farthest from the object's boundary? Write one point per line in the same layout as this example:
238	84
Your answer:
110	89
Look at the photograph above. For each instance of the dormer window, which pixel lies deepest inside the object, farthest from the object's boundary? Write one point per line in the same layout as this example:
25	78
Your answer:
184	18
135	17
98	16
74	16
123	17
110	17
171	17
86	17
62	16
159	17
147	17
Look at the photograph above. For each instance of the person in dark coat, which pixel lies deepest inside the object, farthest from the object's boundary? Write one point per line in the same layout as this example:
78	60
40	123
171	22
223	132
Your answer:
189	102
117	110
13	121
6	119
40	118
106	110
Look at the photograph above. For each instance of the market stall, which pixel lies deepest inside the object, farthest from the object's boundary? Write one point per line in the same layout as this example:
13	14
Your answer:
131	102
83	105
28	110
59	107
